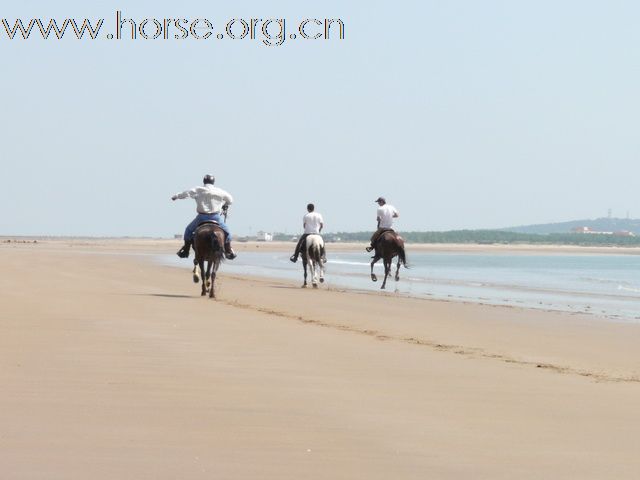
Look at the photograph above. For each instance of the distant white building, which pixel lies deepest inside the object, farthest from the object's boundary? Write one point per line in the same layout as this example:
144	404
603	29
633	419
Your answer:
264	237
589	231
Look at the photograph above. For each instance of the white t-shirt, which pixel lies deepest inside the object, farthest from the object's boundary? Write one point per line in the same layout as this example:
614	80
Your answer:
385	214
312	222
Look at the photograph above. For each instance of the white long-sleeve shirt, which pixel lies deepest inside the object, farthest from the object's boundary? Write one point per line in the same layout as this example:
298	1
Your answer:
209	199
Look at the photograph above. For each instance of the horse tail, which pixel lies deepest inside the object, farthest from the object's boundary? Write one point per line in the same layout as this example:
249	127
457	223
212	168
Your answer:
403	257
216	248
317	251
314	250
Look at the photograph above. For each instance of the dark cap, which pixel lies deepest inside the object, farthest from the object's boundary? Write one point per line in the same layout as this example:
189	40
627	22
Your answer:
381	199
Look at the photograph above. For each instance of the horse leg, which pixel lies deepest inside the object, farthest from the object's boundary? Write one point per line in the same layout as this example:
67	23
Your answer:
398	269
208	283
203	277
304	267
208	274
373	275
196	277
387	269
321	270
314	272
214	273
313	260
212	278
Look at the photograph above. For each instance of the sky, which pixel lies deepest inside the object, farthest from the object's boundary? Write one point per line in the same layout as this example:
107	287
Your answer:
462	113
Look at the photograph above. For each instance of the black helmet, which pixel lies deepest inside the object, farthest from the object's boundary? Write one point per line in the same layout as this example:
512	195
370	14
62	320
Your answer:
209	179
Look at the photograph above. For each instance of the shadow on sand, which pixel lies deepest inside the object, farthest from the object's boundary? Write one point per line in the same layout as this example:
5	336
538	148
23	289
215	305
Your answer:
163	295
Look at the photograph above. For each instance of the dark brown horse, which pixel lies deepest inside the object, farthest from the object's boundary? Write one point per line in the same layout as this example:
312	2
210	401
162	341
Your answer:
389	245
208	245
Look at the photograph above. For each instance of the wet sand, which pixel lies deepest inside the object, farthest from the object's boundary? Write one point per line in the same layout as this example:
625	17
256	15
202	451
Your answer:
114	367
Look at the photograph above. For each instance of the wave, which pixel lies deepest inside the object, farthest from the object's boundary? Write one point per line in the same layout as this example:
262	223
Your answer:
345	262
628	289
603	281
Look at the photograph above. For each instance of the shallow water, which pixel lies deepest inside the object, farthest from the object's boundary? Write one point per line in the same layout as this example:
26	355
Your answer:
602	285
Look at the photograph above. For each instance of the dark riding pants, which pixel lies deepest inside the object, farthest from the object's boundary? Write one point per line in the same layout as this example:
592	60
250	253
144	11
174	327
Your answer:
301	242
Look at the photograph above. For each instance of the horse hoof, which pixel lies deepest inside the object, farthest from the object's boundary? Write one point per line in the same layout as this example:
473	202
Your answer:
374	278
322	280
315	285
304	286
382	287
196	279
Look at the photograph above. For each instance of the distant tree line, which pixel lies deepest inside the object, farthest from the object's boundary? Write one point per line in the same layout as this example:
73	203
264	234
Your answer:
489	237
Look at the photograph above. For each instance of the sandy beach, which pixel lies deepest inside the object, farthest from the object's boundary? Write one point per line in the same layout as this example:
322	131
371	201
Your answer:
113	367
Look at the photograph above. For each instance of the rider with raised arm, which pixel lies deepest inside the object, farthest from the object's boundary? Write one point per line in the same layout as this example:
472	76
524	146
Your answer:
210	201
312	223
385	215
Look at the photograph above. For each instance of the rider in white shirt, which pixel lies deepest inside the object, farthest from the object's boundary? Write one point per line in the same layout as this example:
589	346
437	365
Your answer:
210	202
312	223
385	215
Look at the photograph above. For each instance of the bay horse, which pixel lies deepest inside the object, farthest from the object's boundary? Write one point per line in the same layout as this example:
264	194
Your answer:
312	258
208	246
389	245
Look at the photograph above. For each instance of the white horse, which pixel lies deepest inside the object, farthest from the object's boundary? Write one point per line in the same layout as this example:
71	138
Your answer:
312	257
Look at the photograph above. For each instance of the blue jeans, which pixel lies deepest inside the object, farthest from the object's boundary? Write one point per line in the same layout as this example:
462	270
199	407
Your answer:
204	217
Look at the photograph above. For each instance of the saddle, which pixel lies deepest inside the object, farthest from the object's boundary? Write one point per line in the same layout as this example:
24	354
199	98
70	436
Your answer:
207	222
204	224
382	231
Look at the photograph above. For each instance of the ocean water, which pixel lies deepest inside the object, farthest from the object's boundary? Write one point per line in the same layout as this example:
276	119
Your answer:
601	285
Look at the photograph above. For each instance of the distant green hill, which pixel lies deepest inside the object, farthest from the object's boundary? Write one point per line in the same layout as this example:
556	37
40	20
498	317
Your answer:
599	224
543	234
498	236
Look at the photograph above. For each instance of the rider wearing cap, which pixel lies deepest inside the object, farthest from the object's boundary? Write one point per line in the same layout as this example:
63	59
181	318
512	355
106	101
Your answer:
210	202
385	215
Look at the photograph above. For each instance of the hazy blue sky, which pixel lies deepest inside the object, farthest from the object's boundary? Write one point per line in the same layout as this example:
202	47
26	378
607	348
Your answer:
464	114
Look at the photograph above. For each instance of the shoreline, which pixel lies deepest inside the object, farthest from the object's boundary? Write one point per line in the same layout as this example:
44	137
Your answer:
164	247
157	243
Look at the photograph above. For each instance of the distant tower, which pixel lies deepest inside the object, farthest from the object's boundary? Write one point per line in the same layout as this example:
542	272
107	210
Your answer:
609	214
